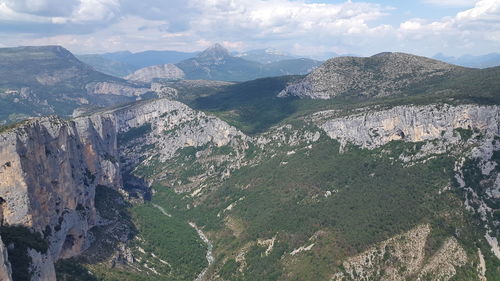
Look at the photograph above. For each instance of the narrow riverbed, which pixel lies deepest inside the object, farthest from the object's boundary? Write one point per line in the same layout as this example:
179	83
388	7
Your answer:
209	255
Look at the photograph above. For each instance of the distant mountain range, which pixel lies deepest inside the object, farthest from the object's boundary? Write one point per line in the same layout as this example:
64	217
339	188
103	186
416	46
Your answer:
106	65
215	63
484	61
265	55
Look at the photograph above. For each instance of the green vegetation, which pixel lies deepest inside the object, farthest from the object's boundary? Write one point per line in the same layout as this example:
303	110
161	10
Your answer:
22	239
169	245
71	270
373	197
465	134
165	248
253	106
134	133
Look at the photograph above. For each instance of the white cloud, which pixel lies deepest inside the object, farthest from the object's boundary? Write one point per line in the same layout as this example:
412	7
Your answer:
59	11
470	31
42	7
451	3
290	25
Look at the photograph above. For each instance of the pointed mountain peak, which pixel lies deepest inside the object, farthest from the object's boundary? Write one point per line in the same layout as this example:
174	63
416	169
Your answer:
216	51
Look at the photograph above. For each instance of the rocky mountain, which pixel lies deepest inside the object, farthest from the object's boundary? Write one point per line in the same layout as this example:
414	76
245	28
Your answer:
381	75
216	63
45	80
243	185
165	71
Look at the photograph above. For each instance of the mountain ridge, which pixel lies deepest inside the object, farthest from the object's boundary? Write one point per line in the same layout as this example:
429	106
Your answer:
380	75
58	84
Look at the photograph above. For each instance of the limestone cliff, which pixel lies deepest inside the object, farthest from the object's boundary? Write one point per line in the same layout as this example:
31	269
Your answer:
5	268
152	134
376	127
48	176
164	71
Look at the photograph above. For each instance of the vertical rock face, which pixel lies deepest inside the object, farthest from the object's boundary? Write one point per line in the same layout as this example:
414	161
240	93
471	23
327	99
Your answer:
5	269
49	172
410	123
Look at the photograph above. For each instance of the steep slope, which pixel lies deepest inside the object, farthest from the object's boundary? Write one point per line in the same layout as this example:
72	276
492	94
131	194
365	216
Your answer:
58	84
148	74
55	174
50	171
381	75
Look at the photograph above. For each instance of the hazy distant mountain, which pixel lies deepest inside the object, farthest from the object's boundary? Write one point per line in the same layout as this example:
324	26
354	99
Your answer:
265	55
216	63
291	67
484	61
149	58
50	80
107	66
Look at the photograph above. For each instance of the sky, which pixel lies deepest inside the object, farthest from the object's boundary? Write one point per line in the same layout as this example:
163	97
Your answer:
314	28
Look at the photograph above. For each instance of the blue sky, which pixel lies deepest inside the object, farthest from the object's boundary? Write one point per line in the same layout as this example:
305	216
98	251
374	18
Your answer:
316	28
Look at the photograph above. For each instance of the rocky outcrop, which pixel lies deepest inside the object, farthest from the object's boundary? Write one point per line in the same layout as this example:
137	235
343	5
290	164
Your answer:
403	257
164	91
374	128
5	268
168	127
381	75
111	88
164	71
